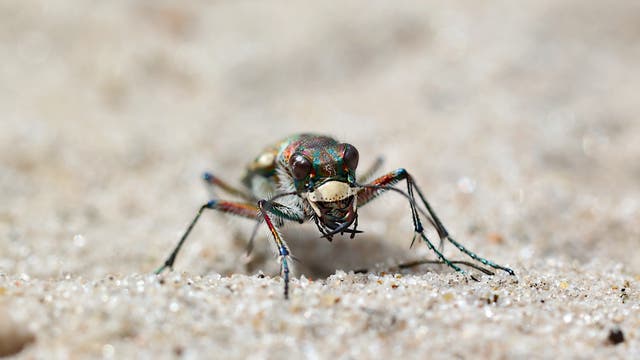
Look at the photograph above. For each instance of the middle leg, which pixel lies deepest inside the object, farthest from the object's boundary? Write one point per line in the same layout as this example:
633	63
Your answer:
262	210
213	181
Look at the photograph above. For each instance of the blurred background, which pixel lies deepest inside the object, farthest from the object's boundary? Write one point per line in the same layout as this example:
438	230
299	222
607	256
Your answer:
518	119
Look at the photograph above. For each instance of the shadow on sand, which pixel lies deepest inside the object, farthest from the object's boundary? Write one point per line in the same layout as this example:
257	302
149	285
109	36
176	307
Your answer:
318	258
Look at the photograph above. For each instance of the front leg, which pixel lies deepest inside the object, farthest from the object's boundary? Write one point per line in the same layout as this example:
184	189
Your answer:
284	253
385	183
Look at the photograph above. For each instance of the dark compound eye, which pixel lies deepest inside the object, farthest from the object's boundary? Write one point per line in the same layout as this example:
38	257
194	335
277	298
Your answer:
351	156
300	166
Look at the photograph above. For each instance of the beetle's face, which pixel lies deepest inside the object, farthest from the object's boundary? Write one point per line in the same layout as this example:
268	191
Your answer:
325	177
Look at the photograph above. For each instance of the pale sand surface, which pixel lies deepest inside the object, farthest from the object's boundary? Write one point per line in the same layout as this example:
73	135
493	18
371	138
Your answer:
518	119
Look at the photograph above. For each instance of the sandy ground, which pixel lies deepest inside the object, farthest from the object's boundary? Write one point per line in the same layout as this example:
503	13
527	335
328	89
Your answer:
518	119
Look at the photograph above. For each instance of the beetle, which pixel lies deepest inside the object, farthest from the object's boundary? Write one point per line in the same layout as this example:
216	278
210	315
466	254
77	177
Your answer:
308	177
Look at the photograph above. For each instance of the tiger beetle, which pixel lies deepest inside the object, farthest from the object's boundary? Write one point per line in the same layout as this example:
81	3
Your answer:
313	177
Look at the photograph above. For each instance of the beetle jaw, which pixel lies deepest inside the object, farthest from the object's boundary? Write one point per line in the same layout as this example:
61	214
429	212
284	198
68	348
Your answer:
334	203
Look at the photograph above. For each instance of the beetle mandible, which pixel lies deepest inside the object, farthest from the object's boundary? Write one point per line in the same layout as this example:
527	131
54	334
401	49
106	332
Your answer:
313	177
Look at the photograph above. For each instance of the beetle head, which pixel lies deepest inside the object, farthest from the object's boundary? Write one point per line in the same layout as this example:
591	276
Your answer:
325	177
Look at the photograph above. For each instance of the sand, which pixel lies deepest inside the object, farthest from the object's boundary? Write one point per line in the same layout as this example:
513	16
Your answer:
518	120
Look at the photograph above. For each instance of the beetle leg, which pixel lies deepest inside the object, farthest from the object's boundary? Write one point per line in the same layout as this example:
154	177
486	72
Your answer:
213	181
282	212
442	232
252	212
284	254
241	209
385	182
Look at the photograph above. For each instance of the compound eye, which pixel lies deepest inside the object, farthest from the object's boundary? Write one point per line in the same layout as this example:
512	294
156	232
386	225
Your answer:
351	156
300	166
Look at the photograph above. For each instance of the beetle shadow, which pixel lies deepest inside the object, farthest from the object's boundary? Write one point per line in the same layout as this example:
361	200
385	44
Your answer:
317	258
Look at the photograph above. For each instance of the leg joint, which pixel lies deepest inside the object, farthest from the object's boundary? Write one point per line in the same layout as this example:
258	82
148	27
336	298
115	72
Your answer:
207	176
283	251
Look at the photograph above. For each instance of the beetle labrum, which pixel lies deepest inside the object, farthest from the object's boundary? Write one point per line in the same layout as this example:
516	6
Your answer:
312	177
